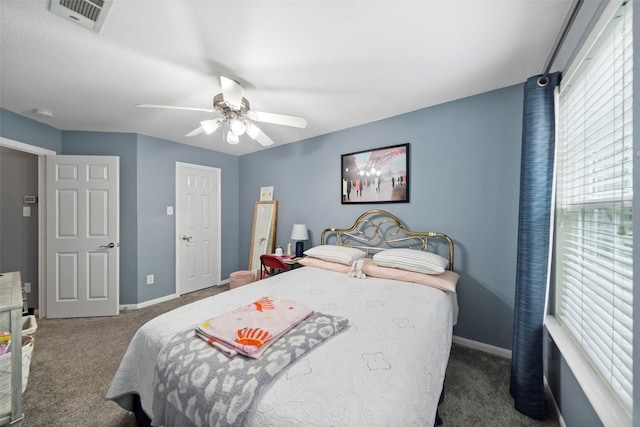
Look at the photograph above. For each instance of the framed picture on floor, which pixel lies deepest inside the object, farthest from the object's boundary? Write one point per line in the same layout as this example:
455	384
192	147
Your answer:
266	194
380	175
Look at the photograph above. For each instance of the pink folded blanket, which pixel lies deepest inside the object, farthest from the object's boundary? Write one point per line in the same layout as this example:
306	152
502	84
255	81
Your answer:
251	329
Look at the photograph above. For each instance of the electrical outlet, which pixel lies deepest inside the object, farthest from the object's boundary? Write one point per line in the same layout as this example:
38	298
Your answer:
150	279
27	288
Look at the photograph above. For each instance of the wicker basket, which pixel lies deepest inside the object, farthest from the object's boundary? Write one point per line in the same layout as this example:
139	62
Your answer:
29	325
5	372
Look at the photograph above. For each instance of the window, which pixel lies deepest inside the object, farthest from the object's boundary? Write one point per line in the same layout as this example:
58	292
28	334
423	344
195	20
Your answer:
594	193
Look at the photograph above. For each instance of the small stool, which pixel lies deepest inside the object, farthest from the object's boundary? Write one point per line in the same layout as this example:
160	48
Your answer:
241	278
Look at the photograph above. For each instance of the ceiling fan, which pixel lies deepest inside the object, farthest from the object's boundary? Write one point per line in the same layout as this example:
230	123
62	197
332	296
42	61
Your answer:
236	115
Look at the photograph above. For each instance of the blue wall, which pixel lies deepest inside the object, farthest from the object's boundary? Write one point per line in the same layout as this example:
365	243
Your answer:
573	403
464	177
18	128
147	187
156	230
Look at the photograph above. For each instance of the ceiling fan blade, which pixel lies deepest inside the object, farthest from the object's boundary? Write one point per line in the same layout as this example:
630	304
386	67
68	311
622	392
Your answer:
196	131
173	107
231	92
264	140
278	119
251	129
256	134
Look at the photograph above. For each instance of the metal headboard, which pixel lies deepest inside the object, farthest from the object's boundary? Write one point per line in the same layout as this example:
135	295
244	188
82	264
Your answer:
377	229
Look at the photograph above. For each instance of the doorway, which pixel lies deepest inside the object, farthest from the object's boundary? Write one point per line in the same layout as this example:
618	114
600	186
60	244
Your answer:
35	254
19	218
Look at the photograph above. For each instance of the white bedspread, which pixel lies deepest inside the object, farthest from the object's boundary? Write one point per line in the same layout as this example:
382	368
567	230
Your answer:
387	368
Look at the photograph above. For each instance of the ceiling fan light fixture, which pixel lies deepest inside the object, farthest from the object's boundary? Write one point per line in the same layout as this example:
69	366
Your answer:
232	138
43	113
236	126
236	115
210	126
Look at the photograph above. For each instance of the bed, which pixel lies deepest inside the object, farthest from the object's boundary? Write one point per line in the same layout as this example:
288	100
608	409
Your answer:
385	367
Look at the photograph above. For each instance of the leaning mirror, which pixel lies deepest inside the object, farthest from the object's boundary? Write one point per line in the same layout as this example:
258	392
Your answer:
263	236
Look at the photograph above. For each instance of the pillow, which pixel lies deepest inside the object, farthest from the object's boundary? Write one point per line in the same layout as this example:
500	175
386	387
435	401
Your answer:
412	260
325	265
339	254
446	281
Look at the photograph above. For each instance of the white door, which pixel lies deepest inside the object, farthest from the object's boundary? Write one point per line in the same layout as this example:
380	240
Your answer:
82	236
197	227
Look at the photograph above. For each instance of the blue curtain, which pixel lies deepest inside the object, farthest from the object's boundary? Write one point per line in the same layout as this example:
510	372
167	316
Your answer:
536	176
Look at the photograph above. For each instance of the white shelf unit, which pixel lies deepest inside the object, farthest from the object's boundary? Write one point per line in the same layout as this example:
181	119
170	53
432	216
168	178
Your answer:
11	305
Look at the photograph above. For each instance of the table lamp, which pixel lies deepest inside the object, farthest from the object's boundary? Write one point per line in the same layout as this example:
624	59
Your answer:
299	233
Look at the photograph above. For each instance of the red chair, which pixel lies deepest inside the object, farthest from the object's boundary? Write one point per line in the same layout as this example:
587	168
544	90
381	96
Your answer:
272	262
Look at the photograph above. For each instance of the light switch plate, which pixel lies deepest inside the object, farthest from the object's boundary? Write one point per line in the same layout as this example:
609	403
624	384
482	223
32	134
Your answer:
169	210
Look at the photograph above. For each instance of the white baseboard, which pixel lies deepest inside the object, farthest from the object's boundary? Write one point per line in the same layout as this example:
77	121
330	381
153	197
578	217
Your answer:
148	303
487	348
159	300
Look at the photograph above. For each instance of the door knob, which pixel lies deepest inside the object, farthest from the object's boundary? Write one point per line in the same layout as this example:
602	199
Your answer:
187	238
109	246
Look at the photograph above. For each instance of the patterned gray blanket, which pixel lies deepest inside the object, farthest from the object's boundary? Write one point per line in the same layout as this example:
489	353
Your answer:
196	385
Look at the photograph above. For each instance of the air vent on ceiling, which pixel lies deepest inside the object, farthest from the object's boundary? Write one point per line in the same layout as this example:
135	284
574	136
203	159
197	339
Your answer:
90	14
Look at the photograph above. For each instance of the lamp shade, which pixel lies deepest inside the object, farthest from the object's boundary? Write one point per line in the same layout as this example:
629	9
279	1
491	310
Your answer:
210	126
232	138
299	232
236	126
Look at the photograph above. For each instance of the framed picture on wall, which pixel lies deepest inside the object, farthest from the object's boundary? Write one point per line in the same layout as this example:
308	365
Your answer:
380	175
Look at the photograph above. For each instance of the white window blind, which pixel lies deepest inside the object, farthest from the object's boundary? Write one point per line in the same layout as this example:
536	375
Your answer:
594	192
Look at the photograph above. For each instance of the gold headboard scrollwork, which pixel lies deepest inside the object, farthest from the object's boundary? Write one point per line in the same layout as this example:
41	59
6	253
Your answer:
377	229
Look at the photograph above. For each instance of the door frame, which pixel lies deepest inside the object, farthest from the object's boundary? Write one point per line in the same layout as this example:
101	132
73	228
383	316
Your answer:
42	207
218	173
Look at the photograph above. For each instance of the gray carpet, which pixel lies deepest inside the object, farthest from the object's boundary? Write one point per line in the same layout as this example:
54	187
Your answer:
477	392
74	360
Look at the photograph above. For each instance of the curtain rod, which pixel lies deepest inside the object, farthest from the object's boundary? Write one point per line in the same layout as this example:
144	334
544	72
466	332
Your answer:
542	81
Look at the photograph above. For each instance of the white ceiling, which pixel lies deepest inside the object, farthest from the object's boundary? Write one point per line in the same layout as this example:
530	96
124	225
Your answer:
337	63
